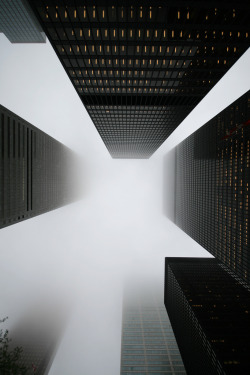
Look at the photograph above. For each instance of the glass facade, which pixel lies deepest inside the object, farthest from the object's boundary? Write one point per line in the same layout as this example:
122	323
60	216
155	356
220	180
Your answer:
212	186
36	171
148	341
137	127
140	69
18	22
209	309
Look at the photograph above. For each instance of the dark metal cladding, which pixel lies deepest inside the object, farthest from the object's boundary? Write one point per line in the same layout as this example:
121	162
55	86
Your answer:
209	310
212	186
35	171
18	22
140	68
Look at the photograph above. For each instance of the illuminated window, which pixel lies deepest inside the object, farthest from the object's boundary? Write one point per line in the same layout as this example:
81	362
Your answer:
150	12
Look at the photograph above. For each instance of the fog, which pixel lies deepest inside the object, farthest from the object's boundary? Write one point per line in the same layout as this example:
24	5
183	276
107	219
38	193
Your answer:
83	252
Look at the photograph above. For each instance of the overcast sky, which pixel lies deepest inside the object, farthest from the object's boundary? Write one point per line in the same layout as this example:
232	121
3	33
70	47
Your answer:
83	251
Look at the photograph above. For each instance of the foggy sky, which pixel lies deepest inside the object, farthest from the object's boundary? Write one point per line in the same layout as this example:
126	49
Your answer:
83	251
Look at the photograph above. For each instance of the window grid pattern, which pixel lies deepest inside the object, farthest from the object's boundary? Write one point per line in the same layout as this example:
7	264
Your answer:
208	306
150	54
18	23
148	342
212	186
35	170
140	128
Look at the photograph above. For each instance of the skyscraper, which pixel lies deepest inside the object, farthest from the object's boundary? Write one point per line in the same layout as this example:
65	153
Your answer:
148	342
140	68
209	309
212	186
38	333
35	171
18	23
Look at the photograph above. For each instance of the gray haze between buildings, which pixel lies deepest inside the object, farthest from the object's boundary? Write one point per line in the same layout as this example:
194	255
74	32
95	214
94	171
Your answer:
83	252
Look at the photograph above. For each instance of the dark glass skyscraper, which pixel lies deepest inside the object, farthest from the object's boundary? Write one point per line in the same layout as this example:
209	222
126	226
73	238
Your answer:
148	342
140	68
38	333
209	309
18	22
212	186
36	171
